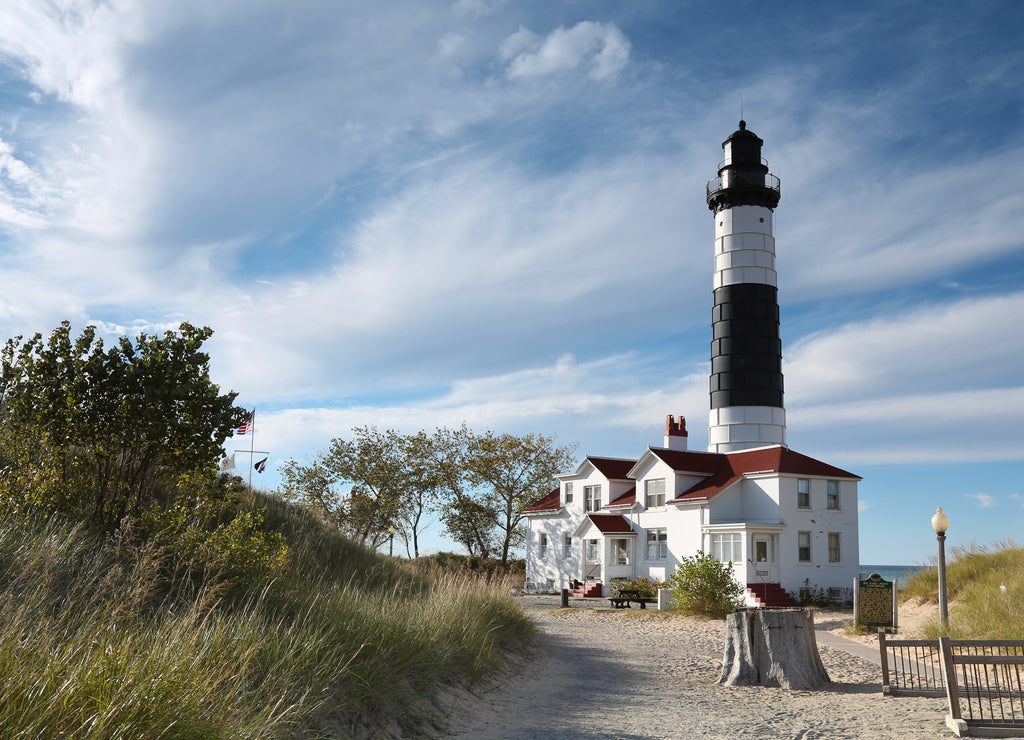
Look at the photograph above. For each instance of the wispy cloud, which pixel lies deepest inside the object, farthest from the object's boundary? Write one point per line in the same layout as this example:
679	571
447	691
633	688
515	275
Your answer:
601	48
984	500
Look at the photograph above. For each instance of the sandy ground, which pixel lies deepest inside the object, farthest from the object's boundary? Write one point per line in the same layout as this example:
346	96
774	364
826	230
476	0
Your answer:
630	674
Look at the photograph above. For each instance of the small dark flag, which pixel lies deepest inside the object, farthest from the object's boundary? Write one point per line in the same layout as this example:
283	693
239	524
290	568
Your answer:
247	424
261	465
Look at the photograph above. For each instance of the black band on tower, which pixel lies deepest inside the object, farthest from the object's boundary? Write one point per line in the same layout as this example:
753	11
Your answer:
746	352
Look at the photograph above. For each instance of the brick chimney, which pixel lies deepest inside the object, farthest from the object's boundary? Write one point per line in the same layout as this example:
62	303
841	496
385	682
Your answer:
675	433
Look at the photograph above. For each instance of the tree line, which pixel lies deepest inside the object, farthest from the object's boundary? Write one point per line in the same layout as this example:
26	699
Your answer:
384	484
132	433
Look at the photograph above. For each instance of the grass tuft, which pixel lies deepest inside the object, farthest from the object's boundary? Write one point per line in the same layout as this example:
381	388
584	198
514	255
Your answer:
985	586
103	639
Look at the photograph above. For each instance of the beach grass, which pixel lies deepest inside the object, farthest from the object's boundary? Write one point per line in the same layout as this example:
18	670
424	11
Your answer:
101	639
985	587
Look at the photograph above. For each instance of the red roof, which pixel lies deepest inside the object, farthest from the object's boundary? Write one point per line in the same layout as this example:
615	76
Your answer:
626	499
734	465
612	468
611	523
551	502
721	471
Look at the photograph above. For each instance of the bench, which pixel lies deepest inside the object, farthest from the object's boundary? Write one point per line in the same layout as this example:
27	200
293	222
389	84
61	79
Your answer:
626	596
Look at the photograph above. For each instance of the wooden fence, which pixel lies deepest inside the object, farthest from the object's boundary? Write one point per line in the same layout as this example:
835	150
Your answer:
982	680
984	686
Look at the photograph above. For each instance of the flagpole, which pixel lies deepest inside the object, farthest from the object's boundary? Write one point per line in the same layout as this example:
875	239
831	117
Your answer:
252	444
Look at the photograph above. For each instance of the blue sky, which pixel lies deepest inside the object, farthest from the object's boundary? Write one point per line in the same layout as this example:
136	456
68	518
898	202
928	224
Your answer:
414	214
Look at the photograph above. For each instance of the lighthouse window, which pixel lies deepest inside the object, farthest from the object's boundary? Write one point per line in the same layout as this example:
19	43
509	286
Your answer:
833	494
804	546
834	554
654	491
803	493
592	496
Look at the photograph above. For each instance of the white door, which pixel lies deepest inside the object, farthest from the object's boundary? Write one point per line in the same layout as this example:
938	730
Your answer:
765	564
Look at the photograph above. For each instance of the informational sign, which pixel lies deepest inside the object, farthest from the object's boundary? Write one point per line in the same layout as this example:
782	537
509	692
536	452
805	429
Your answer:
875	603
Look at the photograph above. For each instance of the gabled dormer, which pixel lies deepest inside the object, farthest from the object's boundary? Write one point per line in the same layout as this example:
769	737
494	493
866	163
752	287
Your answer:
594	484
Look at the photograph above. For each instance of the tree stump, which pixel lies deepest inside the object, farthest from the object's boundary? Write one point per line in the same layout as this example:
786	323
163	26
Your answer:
772	647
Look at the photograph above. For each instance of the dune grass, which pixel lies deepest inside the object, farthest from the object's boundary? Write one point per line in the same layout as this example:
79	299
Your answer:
106	639
976	577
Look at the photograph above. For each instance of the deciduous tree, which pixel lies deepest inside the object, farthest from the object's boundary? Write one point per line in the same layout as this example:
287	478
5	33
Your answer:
104	433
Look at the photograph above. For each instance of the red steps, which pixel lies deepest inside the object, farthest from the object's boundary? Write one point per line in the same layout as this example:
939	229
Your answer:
587	590
770	594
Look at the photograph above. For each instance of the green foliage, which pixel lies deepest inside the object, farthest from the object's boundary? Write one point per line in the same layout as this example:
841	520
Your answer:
97	643
702	584
365	487
646	588
489	568
479	483
105	433
979	608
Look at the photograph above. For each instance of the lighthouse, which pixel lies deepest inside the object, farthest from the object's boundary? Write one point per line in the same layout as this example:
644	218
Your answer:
746	350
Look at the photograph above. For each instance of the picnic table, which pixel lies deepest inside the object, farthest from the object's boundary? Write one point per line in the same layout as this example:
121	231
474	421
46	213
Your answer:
625	596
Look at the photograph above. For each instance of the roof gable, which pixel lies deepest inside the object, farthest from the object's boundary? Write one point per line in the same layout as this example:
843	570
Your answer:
626	499
549	503
606	524
732	466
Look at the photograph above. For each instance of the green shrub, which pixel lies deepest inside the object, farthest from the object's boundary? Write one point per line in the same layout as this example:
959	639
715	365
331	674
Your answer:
702	584
643	586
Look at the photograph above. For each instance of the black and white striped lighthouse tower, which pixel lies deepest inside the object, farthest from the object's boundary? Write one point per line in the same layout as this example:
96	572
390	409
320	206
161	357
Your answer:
746	351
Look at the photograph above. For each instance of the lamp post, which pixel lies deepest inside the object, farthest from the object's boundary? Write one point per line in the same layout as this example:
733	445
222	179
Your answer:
940	523
391	541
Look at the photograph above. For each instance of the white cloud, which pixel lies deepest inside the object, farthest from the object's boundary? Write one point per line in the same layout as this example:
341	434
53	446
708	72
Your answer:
984	500
601	47
863	505
973	343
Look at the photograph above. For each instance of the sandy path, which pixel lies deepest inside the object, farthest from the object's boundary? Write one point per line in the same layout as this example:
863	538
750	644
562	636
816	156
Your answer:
645	674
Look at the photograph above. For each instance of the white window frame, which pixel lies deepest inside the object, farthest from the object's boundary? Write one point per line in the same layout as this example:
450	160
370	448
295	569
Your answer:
835	551
592	498
832	498
654	493
620	551
568	493
800	548
593	551
657	543
543	545
803	497
727	546
567	544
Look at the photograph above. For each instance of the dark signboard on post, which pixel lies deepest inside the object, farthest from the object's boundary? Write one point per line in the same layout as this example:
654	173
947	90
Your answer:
875	602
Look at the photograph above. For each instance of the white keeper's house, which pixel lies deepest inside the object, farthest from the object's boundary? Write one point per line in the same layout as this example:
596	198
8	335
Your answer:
785	521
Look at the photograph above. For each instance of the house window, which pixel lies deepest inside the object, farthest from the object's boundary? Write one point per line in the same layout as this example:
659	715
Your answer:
654	493
833	494
568	545
803	493
592	494
593	553
803	543
568	493
543	545
727	547
620	552
657	544
834	553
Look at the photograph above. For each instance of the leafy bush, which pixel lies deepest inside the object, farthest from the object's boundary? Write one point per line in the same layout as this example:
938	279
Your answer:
643	586
702	584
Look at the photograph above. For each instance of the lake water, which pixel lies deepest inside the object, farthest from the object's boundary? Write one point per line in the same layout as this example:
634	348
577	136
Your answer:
892	572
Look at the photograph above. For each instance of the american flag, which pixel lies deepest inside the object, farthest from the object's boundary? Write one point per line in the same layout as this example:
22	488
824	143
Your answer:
247	424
